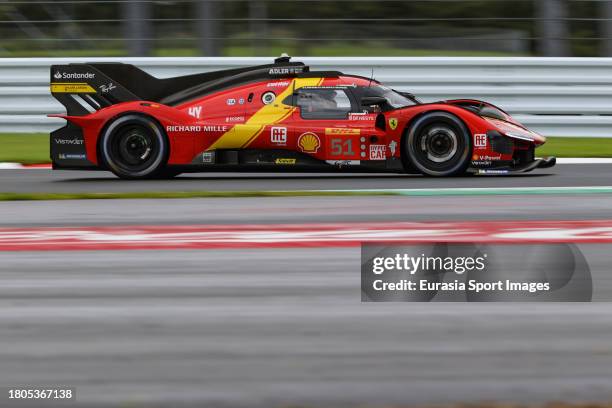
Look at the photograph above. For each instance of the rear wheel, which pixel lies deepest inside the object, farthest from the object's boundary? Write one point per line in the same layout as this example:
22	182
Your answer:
134	147
438	144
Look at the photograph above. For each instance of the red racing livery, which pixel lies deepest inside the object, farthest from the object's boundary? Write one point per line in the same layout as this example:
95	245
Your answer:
279	116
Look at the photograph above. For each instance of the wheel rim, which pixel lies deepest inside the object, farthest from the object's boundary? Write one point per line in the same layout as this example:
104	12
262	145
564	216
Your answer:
438	147
134	148
439	144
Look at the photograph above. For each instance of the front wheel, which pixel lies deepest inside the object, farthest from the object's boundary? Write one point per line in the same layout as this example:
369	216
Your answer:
134	147
438	144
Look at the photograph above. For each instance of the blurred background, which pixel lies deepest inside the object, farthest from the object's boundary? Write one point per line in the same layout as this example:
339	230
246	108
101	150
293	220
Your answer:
71	28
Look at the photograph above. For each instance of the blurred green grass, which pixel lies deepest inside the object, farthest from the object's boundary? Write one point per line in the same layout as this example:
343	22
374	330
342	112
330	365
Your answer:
34	147
24	147
576	147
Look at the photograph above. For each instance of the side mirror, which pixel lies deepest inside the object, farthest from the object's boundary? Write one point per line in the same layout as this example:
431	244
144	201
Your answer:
373	101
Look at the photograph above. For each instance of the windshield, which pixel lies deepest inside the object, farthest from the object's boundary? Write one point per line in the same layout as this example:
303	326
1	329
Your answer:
394	99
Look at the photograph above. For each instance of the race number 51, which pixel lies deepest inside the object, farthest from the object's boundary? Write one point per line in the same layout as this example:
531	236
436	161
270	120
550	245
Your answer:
342	147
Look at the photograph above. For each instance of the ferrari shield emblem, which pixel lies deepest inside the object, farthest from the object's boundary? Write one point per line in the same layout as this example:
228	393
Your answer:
393	123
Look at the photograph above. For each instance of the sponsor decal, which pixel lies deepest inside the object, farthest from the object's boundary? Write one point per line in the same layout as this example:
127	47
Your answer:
285	161
341	163
309	142
69	141
392	147
493	171
278	84
183	128
75	87
393	122
241	101
195	111
341	131
329	86
480	141
487	157
107	88
64	156
286	70
208	157
480	163
231	102
74	75
278	136
268	97
378	152
361	116
234	119
196	128
214	128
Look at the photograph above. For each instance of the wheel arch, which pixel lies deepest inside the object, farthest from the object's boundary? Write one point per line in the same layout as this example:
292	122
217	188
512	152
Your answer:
409	168
110	120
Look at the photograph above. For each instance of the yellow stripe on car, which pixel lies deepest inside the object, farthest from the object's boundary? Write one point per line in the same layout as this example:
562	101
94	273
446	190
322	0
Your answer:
242	135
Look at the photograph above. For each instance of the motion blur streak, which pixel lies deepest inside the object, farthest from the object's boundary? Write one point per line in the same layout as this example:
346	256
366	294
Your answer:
297	235
283	327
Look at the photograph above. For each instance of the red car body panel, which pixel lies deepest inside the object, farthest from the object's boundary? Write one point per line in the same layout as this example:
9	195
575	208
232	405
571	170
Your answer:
240	117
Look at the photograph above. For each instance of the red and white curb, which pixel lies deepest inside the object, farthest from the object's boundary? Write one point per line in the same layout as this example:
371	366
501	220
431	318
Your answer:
569	160
300	235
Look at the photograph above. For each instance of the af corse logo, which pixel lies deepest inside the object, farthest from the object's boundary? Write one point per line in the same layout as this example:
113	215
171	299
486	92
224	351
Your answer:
480	140
278	135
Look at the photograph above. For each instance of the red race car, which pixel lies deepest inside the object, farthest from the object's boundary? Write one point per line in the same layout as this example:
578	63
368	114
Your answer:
280	116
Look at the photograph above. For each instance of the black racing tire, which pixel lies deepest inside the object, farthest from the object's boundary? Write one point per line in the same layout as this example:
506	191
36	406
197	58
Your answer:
438	144
134	147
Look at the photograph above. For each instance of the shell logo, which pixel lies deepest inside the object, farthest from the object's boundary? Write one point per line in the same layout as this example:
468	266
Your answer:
309	142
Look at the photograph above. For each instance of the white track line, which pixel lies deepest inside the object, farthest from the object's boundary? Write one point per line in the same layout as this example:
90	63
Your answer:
10	166
19	166
580	160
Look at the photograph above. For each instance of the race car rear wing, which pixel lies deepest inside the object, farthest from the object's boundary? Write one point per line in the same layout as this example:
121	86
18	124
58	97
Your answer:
84	88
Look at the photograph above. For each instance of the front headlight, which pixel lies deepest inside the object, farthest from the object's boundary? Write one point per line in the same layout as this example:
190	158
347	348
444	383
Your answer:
516	132
519	136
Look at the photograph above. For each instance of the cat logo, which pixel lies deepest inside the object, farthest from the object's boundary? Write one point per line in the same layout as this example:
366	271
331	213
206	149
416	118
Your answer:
393	123
285	161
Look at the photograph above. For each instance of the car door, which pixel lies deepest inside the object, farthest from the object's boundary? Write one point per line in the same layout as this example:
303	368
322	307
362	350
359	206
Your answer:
321	123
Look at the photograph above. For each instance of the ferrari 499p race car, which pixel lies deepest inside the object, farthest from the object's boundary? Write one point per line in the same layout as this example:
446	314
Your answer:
280	116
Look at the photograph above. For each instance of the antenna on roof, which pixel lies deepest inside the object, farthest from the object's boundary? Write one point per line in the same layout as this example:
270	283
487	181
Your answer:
371	77
284	58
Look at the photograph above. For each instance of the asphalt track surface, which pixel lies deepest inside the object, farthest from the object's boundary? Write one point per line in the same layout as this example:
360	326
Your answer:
267	328
282	327
78	181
